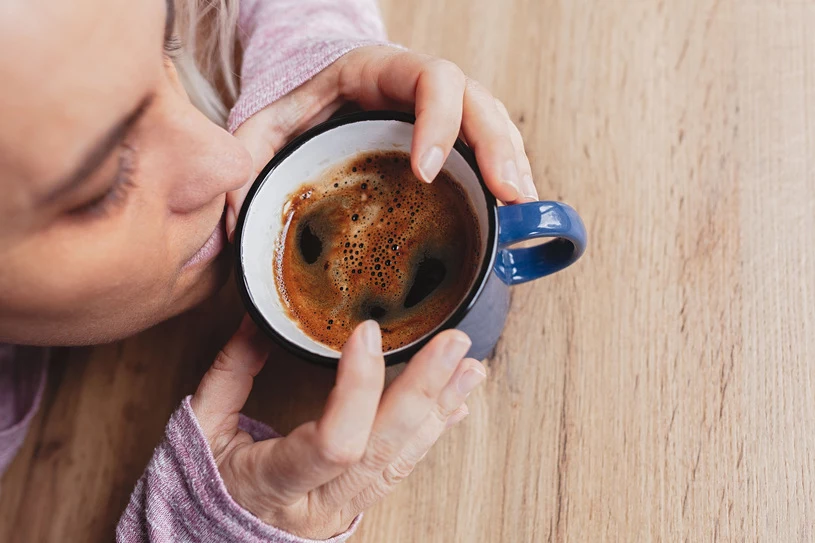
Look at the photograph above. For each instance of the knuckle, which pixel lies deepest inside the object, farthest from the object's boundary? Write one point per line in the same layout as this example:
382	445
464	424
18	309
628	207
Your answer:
336	452
224	361
426	391
393	54
447	69
476	89
500	147
273	130
442	411
397	472
379	452
347	79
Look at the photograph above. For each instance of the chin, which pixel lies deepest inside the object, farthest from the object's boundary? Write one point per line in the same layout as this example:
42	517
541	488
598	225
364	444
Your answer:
203	284
198	287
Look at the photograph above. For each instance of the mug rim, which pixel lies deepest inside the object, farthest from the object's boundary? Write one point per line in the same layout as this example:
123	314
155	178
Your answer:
403	354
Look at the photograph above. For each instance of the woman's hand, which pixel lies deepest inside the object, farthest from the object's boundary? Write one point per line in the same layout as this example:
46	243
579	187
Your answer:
315	481
446	103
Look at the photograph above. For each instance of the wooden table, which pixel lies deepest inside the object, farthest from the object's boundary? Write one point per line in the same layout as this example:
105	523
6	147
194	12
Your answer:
661	390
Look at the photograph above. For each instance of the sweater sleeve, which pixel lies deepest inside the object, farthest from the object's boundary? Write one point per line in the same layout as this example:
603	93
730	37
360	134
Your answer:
22	380
287	42
181	496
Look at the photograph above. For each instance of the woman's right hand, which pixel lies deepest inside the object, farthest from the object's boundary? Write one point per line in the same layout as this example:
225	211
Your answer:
315	481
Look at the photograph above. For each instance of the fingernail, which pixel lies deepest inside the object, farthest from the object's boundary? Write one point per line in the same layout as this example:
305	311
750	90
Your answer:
457	346
529	187
459	416
372	337
431	163
469	380
510	174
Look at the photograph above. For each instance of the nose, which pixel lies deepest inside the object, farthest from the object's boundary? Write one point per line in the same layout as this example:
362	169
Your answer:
207	161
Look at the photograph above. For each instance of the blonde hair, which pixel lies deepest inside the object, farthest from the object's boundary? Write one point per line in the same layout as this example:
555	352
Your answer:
207	30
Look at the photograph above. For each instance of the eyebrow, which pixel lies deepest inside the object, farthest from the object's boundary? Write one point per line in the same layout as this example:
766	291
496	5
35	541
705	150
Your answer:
98	153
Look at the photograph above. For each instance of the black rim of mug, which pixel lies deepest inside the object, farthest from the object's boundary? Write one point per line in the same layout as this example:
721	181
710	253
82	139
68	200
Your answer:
405	353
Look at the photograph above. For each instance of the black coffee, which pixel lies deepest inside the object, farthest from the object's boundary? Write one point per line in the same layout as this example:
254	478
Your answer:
368	240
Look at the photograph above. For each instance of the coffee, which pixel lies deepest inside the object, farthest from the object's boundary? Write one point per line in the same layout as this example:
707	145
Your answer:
368	240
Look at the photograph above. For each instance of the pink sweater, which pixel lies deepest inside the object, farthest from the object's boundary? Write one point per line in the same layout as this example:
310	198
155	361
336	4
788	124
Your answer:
181	496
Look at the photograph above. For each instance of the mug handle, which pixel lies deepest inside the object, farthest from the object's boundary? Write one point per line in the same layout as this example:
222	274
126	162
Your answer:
521	222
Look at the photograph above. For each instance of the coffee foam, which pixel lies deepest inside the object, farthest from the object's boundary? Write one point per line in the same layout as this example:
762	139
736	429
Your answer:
355	241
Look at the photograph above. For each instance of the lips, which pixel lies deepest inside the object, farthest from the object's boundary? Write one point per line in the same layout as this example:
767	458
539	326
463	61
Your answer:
211	248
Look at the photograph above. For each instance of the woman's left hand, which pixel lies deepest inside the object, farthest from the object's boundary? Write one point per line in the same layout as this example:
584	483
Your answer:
446	103
315	481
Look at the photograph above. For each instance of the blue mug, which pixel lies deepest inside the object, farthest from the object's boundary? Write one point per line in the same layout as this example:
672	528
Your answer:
481	314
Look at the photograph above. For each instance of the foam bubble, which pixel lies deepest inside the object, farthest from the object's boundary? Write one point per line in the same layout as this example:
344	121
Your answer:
373	250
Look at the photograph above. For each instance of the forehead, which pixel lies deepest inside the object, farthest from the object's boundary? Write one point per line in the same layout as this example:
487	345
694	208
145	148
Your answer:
70	70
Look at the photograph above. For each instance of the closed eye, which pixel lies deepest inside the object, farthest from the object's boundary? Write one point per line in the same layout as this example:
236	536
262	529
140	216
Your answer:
115	195
172	45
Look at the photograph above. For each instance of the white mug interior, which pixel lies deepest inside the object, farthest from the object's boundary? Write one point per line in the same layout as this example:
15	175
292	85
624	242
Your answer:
263	223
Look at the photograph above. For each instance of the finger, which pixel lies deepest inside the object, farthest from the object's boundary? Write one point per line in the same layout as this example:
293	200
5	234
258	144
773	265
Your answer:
404	407
377	80
485	127
458	415
528	189
261	137
433	86
224	389
265	134
268	130
439	98
413	395
449	411
397	472
395	75
234	201
318	452
351	407
469	374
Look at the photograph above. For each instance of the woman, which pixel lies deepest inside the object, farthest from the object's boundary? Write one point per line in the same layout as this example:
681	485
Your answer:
120	187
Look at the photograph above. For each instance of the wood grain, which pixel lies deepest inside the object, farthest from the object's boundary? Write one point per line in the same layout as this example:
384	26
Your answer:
660	390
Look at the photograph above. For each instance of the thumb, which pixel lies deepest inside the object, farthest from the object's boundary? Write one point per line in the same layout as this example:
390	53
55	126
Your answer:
234	201
225	387
317	452
268	130
261	140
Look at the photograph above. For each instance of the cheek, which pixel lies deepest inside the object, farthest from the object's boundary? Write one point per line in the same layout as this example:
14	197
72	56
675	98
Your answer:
119	264
84	290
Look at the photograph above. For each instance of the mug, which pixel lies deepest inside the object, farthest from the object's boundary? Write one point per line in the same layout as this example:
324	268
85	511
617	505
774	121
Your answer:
483	311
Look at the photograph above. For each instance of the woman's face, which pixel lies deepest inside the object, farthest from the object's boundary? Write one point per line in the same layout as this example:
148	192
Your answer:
112	185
